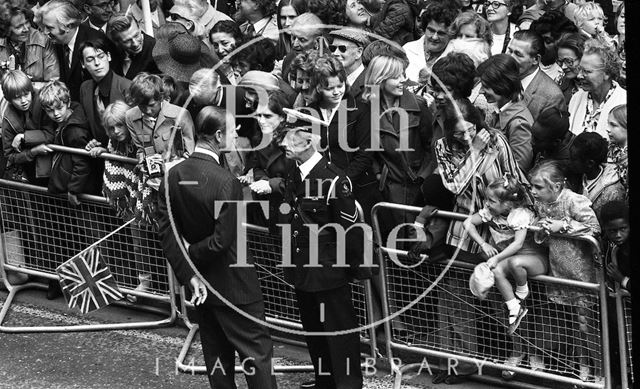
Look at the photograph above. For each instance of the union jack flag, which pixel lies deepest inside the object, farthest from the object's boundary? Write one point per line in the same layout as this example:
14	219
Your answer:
87	282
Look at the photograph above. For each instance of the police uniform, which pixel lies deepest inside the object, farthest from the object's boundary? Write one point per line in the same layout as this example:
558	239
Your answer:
323	292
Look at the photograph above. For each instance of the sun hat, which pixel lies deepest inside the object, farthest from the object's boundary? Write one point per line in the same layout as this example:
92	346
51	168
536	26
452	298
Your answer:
481	280
181	55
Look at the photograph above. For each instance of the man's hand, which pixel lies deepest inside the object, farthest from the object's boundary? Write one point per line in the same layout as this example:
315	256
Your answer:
17	142
198	289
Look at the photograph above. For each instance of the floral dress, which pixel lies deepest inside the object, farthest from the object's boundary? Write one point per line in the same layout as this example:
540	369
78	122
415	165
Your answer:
570	258
503	229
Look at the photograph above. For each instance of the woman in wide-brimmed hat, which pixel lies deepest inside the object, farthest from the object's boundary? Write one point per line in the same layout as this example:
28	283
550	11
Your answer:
180	55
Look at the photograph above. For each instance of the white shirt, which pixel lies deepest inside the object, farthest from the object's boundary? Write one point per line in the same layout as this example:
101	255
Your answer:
309	164
351	78
500	110
103	28
267	27
527	80
71	45
210	153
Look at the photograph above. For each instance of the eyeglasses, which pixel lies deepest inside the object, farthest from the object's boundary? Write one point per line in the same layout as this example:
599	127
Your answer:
568	62
104	5
340	48
494	4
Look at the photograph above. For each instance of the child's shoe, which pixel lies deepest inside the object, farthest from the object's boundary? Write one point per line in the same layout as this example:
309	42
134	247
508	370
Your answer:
515	361
143	286
536	362
516	313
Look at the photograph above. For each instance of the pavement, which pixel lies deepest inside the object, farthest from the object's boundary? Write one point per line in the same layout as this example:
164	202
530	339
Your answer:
127	358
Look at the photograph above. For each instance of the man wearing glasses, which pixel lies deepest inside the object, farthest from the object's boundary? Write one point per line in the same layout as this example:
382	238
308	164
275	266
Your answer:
99	12
347	46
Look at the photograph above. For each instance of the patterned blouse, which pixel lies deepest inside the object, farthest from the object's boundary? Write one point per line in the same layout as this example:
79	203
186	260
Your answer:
503	229
590	123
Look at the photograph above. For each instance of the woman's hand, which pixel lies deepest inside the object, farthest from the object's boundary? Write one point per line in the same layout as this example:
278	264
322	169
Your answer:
481	140
489	250
41	149
553	225
261	187
17	142
246	179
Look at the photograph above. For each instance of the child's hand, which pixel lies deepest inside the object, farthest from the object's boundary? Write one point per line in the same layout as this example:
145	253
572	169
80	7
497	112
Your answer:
261	187
96	151
92	143
73	199
553	225
41	149
489	250
492	262
614	273
17	142
246	179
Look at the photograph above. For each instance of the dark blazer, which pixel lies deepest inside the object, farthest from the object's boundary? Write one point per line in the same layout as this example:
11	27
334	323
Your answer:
119	89
213	245
543	93
357	88
141	62
315	203
74	76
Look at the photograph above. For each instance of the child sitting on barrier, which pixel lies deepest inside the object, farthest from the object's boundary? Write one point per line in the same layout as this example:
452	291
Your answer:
564	211
515	253
70	173
25	131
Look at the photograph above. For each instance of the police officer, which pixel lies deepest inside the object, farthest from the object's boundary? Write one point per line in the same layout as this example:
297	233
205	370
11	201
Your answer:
317	193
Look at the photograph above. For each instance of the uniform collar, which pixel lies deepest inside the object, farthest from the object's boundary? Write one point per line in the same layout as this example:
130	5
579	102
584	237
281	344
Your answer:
309	164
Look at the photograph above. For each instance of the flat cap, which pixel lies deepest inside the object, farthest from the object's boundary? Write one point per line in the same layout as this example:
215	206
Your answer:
352	35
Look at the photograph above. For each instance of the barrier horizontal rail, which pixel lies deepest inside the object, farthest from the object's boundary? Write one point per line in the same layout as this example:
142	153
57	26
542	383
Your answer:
40	231
449	322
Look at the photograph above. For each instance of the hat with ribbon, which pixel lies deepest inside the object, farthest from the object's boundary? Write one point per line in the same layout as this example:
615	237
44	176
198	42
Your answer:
180	55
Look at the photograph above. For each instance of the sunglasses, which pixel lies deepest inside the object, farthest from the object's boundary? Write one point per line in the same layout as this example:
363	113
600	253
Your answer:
340	48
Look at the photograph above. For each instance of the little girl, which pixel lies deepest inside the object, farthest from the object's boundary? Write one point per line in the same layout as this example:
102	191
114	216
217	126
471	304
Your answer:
563	211
617	131
515	254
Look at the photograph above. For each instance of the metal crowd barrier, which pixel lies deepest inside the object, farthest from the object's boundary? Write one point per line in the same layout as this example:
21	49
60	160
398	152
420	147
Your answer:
40	231
623	310
433	314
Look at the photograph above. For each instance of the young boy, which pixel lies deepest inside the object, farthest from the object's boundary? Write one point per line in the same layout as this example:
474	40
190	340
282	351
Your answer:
70	173
600	180
614	218
25	130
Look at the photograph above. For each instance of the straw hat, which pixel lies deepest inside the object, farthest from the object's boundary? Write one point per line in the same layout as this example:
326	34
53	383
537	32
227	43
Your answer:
481	281
181	55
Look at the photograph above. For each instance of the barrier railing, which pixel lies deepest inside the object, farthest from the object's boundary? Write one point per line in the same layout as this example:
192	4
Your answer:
623	319
40	231
432	312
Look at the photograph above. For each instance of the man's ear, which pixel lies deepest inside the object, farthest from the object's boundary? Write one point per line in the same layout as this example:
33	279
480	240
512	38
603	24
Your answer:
359	52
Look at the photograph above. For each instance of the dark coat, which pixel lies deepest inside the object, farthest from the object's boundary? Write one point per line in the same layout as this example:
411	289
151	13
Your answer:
396	21
37	129
72	172
213	245
141	62
74	76
315	203
119	89
410	166
357	165
355	90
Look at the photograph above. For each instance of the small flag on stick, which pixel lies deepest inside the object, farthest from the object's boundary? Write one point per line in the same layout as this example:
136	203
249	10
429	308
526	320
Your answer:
87	282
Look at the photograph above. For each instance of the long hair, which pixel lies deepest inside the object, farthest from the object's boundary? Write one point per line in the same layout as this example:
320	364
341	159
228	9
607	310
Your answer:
284	41
380	69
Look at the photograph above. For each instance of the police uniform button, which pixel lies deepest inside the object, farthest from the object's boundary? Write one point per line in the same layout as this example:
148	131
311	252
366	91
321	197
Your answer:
295	216
295	233
297	249
314	210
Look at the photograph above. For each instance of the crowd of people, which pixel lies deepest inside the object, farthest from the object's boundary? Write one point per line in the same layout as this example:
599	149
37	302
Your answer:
510	111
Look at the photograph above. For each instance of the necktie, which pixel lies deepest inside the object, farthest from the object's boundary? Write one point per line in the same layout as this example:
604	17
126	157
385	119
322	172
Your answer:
251	31
126	64
67	56
99	104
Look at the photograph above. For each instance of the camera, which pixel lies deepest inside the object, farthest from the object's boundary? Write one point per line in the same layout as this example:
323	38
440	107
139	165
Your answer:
154	165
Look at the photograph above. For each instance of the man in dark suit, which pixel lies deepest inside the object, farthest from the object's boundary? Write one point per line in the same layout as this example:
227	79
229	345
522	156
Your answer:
540	91
199	189
104	87
134	47
318	194
62	24
347	46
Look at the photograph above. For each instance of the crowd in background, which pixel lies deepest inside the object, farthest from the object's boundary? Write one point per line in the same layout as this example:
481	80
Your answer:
514	111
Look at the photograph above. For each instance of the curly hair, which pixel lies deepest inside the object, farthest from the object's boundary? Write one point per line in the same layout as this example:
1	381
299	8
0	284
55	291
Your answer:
456	71
574	42
555	23
7	12
508	188
482	26
610	59
324	68
229	27
267	7
330	11
444	13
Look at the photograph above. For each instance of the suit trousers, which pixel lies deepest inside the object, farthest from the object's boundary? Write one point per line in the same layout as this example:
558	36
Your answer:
336	359
223	331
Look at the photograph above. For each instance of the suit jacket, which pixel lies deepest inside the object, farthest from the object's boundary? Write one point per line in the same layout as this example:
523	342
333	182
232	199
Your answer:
212	237
136	13
323	197
515	123
158	138
357	88
74	76
119	89
141	62
543	93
